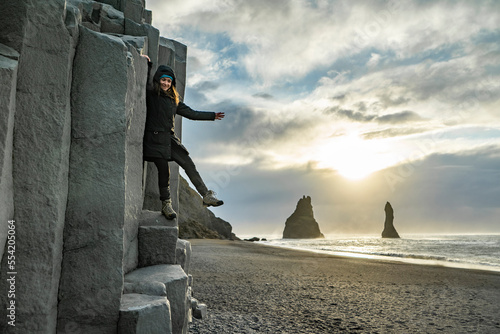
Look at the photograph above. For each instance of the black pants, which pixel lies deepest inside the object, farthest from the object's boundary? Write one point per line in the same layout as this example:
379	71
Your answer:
182	158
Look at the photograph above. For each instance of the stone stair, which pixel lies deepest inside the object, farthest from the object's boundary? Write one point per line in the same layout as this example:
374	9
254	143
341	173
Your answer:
176	287
157	245
141	313
157	294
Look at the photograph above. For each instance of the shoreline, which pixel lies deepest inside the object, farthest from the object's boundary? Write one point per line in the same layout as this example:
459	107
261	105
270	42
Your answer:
404	252
402	259
258	288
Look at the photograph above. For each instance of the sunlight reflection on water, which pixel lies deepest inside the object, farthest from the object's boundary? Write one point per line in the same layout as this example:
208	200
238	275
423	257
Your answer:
478	251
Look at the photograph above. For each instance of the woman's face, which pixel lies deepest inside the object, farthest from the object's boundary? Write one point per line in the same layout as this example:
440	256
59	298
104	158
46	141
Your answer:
165	83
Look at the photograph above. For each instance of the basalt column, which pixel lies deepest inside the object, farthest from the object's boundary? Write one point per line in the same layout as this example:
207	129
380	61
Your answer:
105	180
40	152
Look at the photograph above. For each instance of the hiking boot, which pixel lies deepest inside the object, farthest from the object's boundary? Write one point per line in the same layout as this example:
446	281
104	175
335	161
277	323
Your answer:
167	209
210	200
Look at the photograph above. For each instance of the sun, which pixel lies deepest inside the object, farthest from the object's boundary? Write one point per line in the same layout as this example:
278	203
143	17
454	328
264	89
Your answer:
353	172
353	157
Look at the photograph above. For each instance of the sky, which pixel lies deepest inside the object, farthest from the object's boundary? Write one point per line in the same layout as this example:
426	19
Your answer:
354	103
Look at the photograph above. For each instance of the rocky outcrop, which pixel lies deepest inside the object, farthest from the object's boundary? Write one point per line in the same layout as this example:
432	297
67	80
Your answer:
72	112
193	230
389	230
301	224
192	210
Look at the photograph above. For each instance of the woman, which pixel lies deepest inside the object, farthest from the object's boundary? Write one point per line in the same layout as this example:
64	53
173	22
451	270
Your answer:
161	145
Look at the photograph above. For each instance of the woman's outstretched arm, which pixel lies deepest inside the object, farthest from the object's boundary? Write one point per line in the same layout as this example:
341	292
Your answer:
185	111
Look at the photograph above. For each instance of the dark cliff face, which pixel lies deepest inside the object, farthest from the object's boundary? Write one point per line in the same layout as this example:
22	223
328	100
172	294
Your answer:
193	216
389	230
301	224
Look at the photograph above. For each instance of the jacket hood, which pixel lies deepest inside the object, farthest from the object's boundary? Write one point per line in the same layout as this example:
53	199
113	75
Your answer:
164	69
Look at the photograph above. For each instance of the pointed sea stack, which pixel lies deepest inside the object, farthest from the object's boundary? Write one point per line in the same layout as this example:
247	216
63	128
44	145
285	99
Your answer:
389	230
301	224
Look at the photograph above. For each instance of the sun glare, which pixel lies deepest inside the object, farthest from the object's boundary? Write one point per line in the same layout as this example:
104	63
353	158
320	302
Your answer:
355	172
353	157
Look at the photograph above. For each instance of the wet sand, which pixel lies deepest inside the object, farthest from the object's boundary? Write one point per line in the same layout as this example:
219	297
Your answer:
254	288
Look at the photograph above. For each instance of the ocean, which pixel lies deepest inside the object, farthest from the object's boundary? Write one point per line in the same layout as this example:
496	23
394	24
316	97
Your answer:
472	251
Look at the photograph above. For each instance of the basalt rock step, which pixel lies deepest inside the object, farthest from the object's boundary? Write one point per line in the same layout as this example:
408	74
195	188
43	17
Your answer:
389	229
157	245
140	313
176	284
155	218
301	224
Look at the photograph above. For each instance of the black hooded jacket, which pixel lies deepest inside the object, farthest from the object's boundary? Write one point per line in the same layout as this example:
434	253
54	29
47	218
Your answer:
161	110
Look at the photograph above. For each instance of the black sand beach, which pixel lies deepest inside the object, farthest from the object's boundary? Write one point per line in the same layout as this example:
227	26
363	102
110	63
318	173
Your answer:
253	288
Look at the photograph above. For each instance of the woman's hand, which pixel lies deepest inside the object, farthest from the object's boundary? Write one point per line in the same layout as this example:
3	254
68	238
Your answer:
219	115
147	57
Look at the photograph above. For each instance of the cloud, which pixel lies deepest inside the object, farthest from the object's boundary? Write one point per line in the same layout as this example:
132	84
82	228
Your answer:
342	97
265	96
393	132
206	86
360	116
394	76
239	120
385	52
388	101
374	60
353	115
278	35
400	117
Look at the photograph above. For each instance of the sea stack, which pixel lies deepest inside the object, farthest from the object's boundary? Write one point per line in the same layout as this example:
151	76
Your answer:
389	230
301	224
